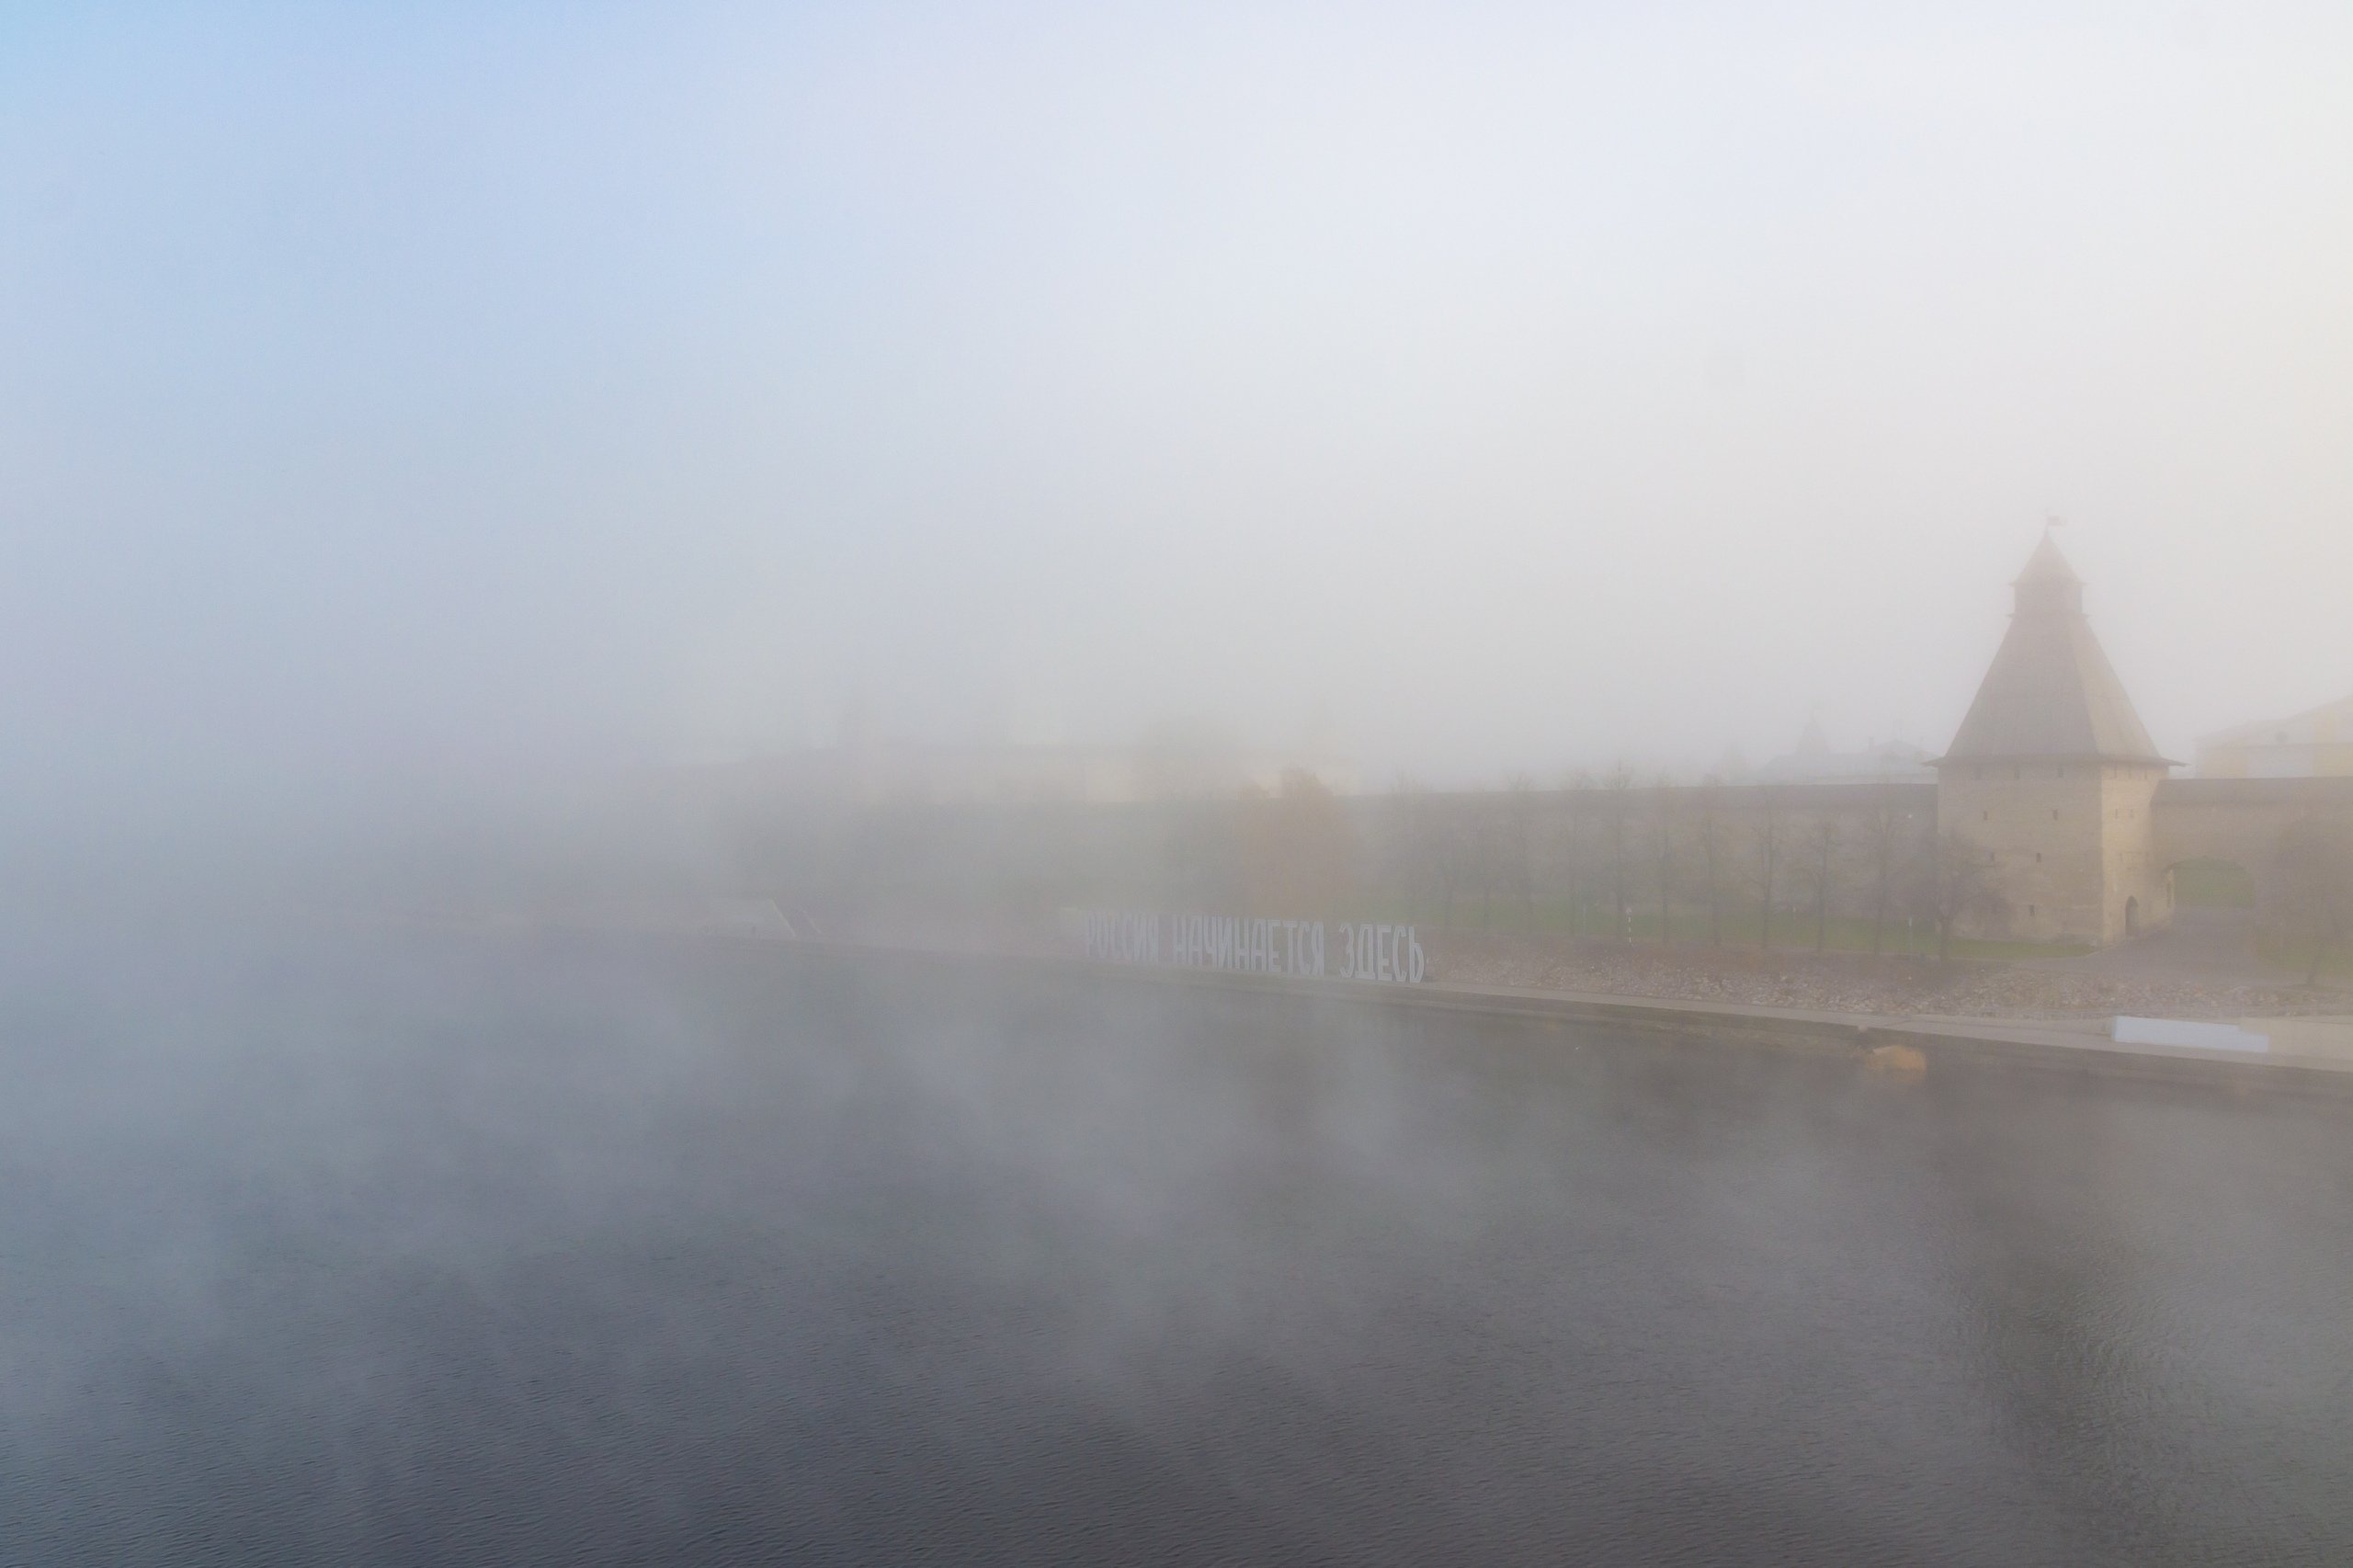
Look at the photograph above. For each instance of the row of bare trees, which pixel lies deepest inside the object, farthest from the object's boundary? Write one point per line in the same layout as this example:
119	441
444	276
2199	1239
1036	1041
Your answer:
1686	863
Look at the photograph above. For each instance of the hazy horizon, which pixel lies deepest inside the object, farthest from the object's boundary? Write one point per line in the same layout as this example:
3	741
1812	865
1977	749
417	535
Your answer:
1511	390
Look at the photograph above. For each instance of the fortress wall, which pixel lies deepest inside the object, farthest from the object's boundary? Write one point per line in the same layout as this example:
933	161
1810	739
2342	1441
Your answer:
2238	820
1210	854
2116	835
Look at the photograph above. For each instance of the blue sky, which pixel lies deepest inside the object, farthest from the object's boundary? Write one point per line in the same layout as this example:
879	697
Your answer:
424	390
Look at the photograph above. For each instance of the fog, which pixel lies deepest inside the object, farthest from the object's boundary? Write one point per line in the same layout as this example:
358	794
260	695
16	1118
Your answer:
396	407
494	1063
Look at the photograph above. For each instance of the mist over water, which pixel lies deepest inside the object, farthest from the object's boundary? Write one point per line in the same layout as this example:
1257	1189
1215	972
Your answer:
435	1248
477	482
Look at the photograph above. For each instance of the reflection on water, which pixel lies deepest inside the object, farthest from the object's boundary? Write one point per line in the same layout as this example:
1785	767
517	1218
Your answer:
588	1255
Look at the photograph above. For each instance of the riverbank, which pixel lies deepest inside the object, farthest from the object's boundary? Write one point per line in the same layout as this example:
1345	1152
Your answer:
1905	1010
2317	1060
1862	983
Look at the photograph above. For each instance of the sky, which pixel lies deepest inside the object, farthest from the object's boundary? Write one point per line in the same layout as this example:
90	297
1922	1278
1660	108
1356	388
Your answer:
427	391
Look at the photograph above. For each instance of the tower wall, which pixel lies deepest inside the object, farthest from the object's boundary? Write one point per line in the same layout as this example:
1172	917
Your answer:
2054	776
2135	895
2071	844
2040	826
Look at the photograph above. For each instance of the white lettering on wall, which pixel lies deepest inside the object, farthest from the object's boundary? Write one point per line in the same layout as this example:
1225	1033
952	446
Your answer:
1245	945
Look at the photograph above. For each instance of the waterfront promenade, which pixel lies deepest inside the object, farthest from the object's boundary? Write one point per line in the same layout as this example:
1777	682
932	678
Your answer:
2308	1051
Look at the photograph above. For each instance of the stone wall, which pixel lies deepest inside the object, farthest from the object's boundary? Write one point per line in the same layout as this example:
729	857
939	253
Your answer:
1442	854
2080	851
2238	820
2039	826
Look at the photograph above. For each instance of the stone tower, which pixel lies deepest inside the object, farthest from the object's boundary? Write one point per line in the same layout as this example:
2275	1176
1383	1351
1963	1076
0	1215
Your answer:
2053	773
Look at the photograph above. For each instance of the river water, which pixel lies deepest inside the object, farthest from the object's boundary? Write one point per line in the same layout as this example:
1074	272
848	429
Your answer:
433	1251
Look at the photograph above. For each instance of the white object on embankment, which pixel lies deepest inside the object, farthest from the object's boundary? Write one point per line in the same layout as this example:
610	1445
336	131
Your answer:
2187	1033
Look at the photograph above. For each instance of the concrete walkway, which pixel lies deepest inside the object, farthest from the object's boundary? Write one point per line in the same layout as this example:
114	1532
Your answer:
2309	1045
2319	1059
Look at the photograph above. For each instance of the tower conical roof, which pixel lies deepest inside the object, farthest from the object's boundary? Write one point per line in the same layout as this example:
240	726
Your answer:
2047	562
2050	691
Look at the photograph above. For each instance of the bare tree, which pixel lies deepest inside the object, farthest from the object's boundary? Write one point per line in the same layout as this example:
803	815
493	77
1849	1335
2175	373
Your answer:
1820	872
1451	851
1663	858
1485	828
1573	832
2313	893
1297	849
1202	866
1767	829
1952	884
1885	826
1617	785
1711	856
1417	857
1516	846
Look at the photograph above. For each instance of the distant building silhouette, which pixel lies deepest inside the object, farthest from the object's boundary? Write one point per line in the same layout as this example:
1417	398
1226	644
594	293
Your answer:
2315	744
865	771
1813	762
